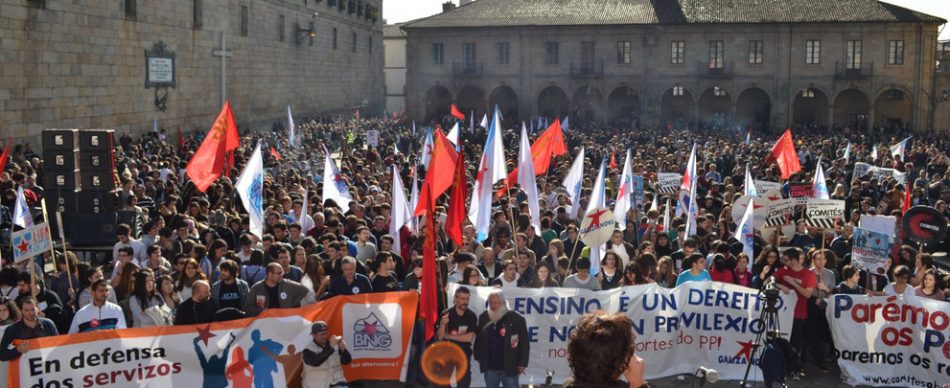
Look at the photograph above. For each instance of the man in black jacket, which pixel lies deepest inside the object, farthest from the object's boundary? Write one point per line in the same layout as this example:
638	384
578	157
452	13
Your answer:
30	327
501	343
198	308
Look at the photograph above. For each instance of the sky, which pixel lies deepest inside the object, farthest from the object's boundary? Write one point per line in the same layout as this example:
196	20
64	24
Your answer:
397	11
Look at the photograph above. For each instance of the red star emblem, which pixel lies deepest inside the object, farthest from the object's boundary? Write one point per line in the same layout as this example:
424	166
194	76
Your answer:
595	217
205	334
23	246
369	329
747	348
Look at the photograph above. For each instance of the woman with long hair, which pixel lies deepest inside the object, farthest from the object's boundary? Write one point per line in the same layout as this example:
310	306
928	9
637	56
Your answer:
299	257
543	278
85	296
741	274
663	247
9	312
610	275
148	307
665	275
166	287
126	285
930	287
471	276
555	252
765	265
188	275
314	277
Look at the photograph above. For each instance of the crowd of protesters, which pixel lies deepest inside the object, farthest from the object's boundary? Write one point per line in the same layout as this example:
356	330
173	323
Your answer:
194	261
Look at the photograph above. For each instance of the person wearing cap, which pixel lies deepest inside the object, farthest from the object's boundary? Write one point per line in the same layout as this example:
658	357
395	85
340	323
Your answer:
323	359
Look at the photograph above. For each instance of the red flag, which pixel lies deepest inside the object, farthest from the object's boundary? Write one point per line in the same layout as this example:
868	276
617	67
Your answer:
5	155
206	165
783	153
453	223
613	160
274	153
456	113
550	143
429	303
904	208
440	175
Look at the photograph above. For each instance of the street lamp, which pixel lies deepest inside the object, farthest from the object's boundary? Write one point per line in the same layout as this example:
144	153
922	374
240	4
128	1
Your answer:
310	32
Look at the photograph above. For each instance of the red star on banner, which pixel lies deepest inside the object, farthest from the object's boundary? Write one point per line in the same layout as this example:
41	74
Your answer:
746	350
595	217
23	247
205	334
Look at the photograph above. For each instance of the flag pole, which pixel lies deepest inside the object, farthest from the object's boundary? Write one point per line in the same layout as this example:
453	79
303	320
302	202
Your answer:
62	237
514	223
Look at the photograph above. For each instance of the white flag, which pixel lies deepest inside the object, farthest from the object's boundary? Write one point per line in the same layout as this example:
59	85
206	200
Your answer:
745	233
454	135
819	189
413	201
654	205
874	152
304	218
847	152
749	183
484	123
527	182
490	170
624	192
666	216
400	215
898	150
290	125
426	153
334	187
573	181
598	199
22	216
250	187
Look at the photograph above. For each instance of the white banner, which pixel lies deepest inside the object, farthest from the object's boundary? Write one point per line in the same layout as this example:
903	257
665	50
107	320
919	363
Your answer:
897	341
668	182
860	169
707	324
763	186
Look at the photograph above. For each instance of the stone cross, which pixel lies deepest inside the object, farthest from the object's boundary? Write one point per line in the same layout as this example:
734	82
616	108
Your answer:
224	53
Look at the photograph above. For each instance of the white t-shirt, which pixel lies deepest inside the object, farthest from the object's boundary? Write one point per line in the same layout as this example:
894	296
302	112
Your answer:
890	291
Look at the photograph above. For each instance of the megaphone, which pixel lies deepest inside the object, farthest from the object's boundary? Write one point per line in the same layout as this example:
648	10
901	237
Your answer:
441	360
707	375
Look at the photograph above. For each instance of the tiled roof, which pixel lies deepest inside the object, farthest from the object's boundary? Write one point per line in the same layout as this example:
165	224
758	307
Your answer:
394	31
498	13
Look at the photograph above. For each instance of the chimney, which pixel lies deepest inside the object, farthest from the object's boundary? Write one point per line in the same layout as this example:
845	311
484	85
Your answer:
447	6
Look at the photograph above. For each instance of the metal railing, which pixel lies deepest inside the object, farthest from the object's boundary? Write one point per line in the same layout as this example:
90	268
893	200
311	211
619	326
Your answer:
468	69
842	72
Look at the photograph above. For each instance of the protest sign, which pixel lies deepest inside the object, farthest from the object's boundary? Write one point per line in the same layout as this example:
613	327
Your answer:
375	327
801	192
870	250
637	181
30	242
372	138
822	213
924	224
760	210
708	323
597	227
879	173
763	186
881	224
895	341
668	182
780	212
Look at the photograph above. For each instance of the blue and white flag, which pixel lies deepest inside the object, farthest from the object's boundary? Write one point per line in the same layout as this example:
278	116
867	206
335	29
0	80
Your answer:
573	181
898	150
745	233
400	214
491	169
818	186
22	216
290	125
250	187
749	183
598	199
334	187
566	125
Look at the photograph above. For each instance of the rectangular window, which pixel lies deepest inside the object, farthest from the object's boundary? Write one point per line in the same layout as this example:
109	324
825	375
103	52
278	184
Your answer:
812	52
280	28
623	52
895	52
370	45
130	9
716	48
468	55
354	43
334	38
678	52
196	11
755	52
854	55
244	19
588	60
503	53
438	57
551	53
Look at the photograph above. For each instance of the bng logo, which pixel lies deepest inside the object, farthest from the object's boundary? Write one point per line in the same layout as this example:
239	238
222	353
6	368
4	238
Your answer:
371	334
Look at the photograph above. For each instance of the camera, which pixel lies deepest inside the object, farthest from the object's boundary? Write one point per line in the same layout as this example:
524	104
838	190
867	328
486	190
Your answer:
771	293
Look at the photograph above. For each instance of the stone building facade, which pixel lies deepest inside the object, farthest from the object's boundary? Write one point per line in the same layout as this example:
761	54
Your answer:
72	64
858	63
394	43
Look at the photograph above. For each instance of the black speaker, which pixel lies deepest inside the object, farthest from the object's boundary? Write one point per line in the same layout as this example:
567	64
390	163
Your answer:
95	161
61	180
132	219
98	180
60	159
96	140
60	139
92	229
96	201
